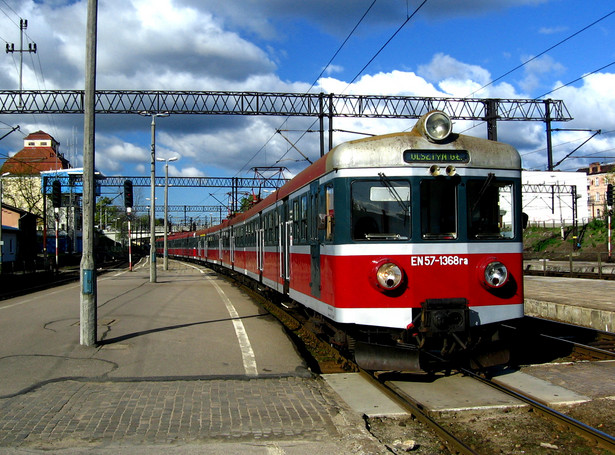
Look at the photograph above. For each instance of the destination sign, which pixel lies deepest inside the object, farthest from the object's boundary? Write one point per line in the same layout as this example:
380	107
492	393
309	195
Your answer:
433	156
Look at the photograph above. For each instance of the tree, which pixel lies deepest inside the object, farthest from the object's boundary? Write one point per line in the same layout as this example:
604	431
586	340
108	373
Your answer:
24	192
106	212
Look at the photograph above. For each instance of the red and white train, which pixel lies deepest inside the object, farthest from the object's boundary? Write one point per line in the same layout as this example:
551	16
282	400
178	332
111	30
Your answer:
412	242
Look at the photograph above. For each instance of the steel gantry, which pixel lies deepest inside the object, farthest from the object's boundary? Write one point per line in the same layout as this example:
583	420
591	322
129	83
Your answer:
490	110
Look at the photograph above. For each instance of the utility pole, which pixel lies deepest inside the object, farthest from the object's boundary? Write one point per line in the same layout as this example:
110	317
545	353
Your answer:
152	224
88	309
1	244
10	48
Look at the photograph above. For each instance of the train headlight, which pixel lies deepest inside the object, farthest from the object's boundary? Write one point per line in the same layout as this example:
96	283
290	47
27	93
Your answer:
438	126
387	276
494	274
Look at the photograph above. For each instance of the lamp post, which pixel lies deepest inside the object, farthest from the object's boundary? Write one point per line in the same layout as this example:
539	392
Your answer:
152	219
1	243
166	207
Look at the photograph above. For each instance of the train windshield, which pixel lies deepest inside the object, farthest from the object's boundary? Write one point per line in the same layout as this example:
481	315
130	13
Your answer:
439	209
490	208
380	209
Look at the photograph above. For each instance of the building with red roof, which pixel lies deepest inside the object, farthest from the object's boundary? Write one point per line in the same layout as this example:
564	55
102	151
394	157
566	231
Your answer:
40	153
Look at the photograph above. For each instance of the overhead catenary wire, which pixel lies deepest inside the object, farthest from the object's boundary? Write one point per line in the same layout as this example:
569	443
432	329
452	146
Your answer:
540	54
576	80
554	90
36	65
408	18
341	46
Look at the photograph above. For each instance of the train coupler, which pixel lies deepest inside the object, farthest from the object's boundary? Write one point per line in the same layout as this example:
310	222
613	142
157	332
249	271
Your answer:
444	315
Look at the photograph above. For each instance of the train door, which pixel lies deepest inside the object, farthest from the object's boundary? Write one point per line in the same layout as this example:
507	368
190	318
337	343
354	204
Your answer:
232	247
313	239
285	236
260	247
220	240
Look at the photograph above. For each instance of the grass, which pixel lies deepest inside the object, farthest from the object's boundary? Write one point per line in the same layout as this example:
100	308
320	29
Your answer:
548	242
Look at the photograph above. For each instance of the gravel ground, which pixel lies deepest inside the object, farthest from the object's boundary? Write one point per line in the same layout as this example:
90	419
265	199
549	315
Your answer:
502	431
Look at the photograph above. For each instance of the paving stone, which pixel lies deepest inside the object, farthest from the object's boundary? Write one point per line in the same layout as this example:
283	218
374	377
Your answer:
150	412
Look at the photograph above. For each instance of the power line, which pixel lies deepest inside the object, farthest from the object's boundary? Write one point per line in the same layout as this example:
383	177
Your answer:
541	54
576	80
342	45
313	84
386	43
408	18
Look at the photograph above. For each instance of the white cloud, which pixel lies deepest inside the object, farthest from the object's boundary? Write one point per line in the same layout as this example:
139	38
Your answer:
536	69
393	83
552	30
444	68
332	69
190	171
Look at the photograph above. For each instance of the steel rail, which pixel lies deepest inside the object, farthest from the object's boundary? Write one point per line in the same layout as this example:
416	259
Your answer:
580	331
568	274
601	438
417	410
598	353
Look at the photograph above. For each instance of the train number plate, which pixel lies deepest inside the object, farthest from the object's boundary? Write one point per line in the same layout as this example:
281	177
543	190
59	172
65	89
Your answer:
445	259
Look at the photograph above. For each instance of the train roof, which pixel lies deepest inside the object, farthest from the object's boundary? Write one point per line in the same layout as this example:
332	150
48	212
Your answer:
389	150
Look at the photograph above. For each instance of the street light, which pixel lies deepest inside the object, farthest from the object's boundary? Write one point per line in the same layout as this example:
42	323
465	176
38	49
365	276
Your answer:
152	219
1	243
166	207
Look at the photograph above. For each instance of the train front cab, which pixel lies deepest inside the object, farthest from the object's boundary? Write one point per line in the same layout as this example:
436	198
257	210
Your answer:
418	249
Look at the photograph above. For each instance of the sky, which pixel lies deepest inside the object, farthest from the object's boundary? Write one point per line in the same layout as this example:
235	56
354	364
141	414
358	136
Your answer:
529	49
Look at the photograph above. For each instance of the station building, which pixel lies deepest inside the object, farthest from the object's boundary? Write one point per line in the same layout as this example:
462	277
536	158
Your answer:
598	177
22	198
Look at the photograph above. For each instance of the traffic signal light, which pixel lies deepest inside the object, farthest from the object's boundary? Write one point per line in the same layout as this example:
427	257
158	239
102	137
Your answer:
610	194
56	193
128	193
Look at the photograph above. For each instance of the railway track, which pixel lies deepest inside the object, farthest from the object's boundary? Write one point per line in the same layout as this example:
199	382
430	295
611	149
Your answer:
456	443
44	280
453	443
595	436
563	340
584	343
570	274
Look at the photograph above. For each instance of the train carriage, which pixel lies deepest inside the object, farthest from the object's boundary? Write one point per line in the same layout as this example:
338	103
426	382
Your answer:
412	241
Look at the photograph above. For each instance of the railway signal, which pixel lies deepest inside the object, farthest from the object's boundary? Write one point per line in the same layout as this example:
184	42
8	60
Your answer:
127	193
56	193
610	194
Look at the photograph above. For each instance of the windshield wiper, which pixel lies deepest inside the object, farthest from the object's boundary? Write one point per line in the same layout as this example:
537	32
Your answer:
483	190
387	183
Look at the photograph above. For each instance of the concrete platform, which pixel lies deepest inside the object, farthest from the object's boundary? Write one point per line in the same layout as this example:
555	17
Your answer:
187	362
540	390
457	393
362	397
591	379
585	302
